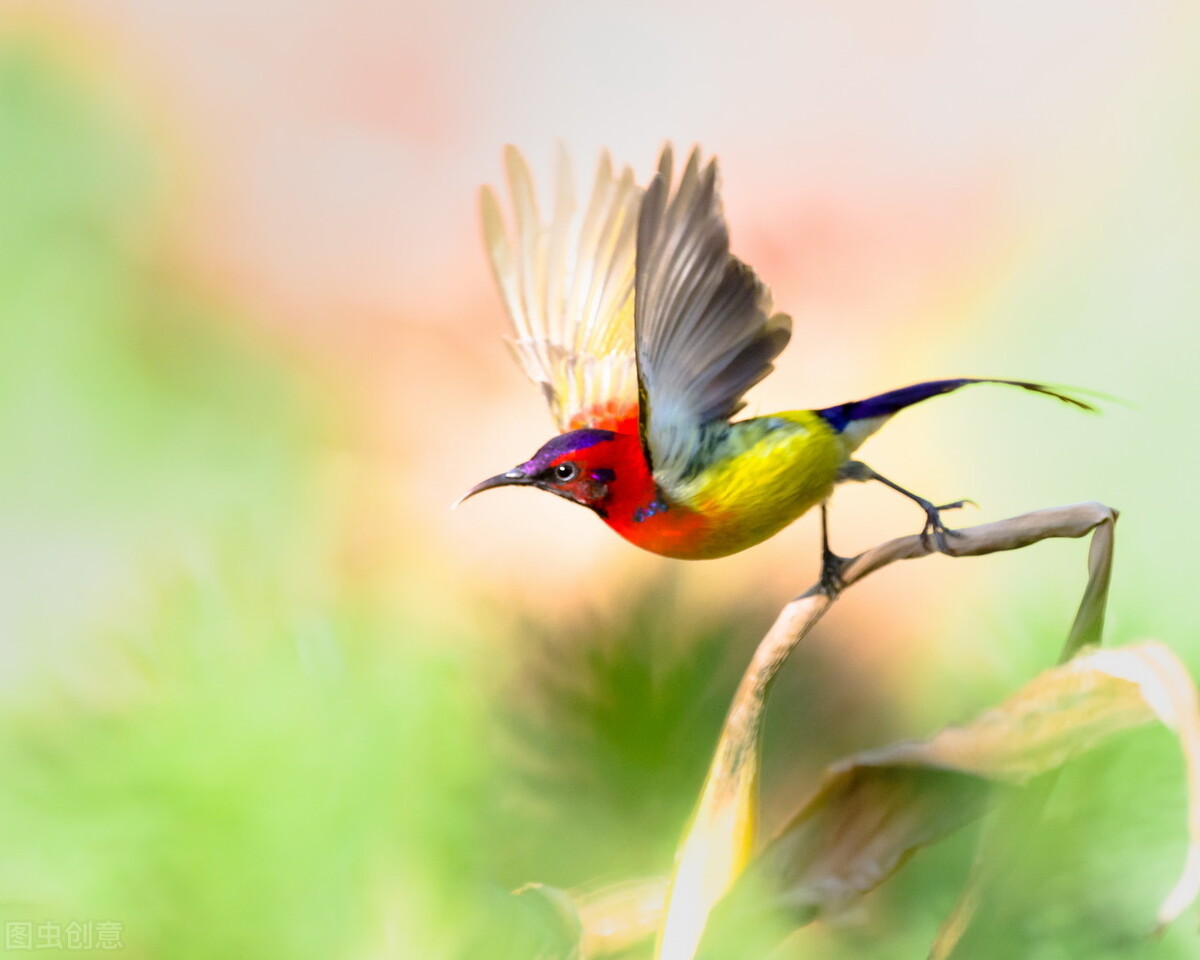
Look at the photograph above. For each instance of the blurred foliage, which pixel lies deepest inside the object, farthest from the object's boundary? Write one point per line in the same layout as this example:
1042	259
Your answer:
608	725
133	421
216	747
263	779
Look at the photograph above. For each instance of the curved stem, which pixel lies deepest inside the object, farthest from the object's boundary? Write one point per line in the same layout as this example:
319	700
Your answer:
723	832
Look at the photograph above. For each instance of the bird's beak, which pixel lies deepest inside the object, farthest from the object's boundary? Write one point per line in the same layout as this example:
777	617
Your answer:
515	477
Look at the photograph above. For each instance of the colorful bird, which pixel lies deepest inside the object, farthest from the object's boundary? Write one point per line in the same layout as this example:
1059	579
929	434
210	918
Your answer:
644	332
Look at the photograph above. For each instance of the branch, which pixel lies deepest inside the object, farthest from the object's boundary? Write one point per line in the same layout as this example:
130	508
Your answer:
723	831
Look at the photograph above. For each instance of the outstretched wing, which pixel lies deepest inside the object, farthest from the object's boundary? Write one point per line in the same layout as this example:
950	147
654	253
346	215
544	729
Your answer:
704	329
568	285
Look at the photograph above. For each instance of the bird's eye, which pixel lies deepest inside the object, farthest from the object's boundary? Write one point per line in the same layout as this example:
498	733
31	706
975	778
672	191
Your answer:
566	471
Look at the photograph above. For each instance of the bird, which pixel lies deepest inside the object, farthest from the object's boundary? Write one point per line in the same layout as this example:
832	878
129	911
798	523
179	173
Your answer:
644	333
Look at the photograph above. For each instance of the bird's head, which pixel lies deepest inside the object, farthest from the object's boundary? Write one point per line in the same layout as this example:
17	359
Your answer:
590	467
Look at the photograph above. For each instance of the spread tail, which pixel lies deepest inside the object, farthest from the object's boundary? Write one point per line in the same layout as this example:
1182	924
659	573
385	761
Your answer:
858	419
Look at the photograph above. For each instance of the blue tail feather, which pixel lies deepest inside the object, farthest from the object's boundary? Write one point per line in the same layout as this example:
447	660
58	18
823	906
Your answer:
885	404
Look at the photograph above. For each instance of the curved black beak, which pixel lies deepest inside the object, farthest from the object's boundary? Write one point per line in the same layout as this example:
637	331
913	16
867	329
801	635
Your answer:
514	477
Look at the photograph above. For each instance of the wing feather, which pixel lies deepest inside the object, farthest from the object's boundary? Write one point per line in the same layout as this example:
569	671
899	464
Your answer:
705	333
567	282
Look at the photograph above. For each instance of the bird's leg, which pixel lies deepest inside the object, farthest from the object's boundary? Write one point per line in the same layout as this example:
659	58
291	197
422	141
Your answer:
831	564
860	472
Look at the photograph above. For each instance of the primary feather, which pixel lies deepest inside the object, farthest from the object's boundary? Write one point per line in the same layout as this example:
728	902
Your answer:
705	331
567	282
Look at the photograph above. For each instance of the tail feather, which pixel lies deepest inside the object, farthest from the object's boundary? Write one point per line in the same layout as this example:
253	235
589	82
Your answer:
858	419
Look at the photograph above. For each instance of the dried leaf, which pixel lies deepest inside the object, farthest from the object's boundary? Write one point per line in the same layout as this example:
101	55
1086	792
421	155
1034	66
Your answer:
712	855
873	810
620	916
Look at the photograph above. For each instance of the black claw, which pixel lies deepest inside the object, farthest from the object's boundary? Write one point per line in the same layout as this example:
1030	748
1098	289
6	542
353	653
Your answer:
934	527
832	565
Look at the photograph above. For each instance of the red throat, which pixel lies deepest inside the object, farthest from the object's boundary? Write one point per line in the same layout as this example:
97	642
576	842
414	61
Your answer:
635	507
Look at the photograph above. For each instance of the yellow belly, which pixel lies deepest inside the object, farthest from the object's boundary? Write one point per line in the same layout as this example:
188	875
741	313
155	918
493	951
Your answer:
768	472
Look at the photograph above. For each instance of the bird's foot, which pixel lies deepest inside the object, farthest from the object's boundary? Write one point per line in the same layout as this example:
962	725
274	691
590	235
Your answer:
935	530
831	582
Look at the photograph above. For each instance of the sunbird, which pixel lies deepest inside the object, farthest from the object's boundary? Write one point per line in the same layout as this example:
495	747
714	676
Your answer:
644	332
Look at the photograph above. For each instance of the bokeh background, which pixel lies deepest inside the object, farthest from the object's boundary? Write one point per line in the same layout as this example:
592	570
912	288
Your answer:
263	694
